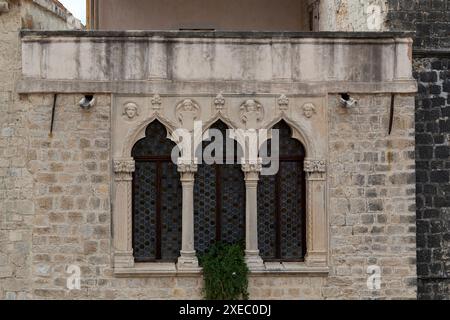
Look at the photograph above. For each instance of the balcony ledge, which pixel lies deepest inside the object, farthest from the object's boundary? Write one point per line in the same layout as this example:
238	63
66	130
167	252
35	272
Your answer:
145	62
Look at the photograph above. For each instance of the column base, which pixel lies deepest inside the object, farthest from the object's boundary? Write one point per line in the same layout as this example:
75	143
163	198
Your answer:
316	259
188	261
123	259
254	261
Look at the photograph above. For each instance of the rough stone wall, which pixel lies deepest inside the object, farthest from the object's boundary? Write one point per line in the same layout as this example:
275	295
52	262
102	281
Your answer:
431	21
372	212
16	182
372	194
433	177
16	206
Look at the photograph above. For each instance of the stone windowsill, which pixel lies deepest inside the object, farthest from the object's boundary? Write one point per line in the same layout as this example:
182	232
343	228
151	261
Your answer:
170	269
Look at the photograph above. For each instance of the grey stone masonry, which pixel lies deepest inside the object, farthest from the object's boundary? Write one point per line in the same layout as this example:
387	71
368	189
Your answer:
433	177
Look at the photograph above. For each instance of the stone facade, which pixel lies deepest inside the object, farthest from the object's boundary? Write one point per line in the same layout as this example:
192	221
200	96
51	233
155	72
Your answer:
66	198
58	192
372	214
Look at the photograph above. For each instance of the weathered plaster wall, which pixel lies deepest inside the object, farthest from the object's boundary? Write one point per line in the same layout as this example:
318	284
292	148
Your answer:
371	190
353	15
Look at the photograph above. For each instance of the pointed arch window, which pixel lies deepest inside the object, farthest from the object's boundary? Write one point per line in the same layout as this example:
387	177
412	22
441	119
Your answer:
282	203
157	201
219	197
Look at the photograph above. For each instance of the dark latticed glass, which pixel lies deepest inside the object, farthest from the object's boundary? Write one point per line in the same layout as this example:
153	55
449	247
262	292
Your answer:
219	199
281	203
157	198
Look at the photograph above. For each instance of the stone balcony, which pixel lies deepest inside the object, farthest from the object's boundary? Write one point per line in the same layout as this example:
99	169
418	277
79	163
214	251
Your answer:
245	62
287	74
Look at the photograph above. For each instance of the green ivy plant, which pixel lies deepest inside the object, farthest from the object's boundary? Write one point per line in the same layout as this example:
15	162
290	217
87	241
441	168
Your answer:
225	272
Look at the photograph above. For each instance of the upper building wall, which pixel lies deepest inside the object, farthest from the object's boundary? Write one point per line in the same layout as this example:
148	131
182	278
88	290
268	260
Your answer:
259	15
429	19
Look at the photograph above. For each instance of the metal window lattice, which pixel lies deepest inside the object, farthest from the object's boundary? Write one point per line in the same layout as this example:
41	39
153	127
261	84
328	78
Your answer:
144	208
219	200
157	202
281	203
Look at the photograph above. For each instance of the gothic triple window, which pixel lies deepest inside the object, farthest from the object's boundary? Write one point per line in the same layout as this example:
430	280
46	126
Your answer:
219	199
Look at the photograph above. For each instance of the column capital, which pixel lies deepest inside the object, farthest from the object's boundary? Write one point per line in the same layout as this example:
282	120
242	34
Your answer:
315	169
254	165
187	165
124	165
315	165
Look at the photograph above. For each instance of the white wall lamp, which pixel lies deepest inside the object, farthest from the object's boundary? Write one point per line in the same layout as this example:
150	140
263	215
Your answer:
347	101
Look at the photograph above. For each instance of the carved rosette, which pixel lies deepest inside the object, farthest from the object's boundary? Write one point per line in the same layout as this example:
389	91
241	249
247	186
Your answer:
315	169
219	101
156	102
283	102
123	169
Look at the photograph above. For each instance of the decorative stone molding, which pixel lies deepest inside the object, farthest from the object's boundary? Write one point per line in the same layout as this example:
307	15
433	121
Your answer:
241	113
315	169
124	165
4	7
156	102
187	112
252	169
283	102
187	168
315	166
252	113
252	166
187	165
219	101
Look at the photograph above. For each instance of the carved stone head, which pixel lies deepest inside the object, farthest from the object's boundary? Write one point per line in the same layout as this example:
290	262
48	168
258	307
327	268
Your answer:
130	110
309	110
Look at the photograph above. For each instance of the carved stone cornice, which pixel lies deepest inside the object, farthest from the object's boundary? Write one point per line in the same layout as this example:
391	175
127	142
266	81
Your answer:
126	165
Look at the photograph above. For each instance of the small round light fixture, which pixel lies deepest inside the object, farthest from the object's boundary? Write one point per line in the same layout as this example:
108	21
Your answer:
347	101
87	102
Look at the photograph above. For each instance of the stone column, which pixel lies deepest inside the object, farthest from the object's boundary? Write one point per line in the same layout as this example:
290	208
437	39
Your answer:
317	222
122	215
188	259
252	170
